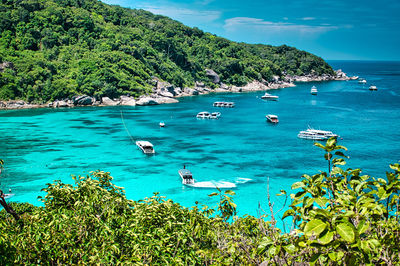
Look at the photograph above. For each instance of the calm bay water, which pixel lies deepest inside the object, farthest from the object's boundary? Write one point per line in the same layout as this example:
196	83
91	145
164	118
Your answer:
39	146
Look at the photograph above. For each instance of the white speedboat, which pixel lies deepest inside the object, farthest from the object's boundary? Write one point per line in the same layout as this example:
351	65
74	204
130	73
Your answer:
314	90
362	81
269	97
373	88
203	115
215	115
186	175
272	118
145	146
218	104
162	124
316	134
230	104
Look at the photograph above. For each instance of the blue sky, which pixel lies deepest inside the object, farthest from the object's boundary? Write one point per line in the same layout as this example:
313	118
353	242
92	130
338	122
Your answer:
334	30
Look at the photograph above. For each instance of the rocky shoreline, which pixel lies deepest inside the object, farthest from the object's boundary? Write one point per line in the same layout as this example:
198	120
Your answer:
163	92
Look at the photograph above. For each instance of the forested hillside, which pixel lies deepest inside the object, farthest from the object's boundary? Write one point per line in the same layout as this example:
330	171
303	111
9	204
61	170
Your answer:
55	49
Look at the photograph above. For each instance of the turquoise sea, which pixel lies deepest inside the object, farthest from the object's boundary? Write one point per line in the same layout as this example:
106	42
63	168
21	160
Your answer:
42	145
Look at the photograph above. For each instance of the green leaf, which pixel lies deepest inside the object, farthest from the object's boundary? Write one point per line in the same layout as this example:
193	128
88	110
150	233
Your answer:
298	185
374	244
230	192
362	227
338	161
336	256
309	202
339	147
321	201
347	231
326	238
265	243
339	153
319	145
330	142
365	247
314	258
283	192
291	249
287	213
314	227
274	250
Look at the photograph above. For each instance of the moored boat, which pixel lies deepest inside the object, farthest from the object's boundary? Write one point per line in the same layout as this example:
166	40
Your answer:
373	88
215	115
314	90
187	177
162	124
272	118
145	146
224	104
203	115
316	134
269	97
363	81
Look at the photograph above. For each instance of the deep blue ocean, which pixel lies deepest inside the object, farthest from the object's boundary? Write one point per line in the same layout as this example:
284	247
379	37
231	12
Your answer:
241	148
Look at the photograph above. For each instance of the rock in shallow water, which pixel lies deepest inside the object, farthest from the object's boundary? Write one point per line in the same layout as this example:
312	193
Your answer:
146	101
82	100
107	101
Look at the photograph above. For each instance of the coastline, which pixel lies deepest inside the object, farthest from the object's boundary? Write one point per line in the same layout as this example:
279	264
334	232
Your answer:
164	93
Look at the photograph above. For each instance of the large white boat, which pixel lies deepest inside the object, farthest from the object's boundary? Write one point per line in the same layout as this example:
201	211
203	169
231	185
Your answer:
145	146
373	88
272	118
314	90
203	115
186	175
269	97
215	115
316	134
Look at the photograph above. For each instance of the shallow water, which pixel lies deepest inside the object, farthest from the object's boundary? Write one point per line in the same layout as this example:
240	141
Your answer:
240	148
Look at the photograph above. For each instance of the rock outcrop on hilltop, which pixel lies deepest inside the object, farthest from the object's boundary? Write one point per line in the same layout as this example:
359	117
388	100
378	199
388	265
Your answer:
339	75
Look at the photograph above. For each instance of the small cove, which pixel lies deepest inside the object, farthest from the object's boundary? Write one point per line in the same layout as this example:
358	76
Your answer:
42	145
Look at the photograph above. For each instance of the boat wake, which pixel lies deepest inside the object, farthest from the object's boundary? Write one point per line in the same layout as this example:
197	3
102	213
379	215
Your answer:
213	184
219	184
7	196
242	180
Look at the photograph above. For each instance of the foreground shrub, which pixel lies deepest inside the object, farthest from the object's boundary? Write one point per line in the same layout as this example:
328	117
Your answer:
338	217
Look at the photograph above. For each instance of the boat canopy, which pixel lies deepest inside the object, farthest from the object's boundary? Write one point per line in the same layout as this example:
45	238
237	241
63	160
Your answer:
185	173
144	143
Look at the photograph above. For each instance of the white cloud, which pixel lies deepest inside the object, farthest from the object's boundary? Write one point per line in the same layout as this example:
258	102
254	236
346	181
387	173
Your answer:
205	2
243	23
185	15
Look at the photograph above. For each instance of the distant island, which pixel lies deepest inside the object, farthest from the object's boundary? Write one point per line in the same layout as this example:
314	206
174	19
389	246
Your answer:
66	53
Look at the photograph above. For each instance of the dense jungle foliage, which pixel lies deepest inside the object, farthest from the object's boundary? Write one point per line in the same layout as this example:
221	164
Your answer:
339	217
61	48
